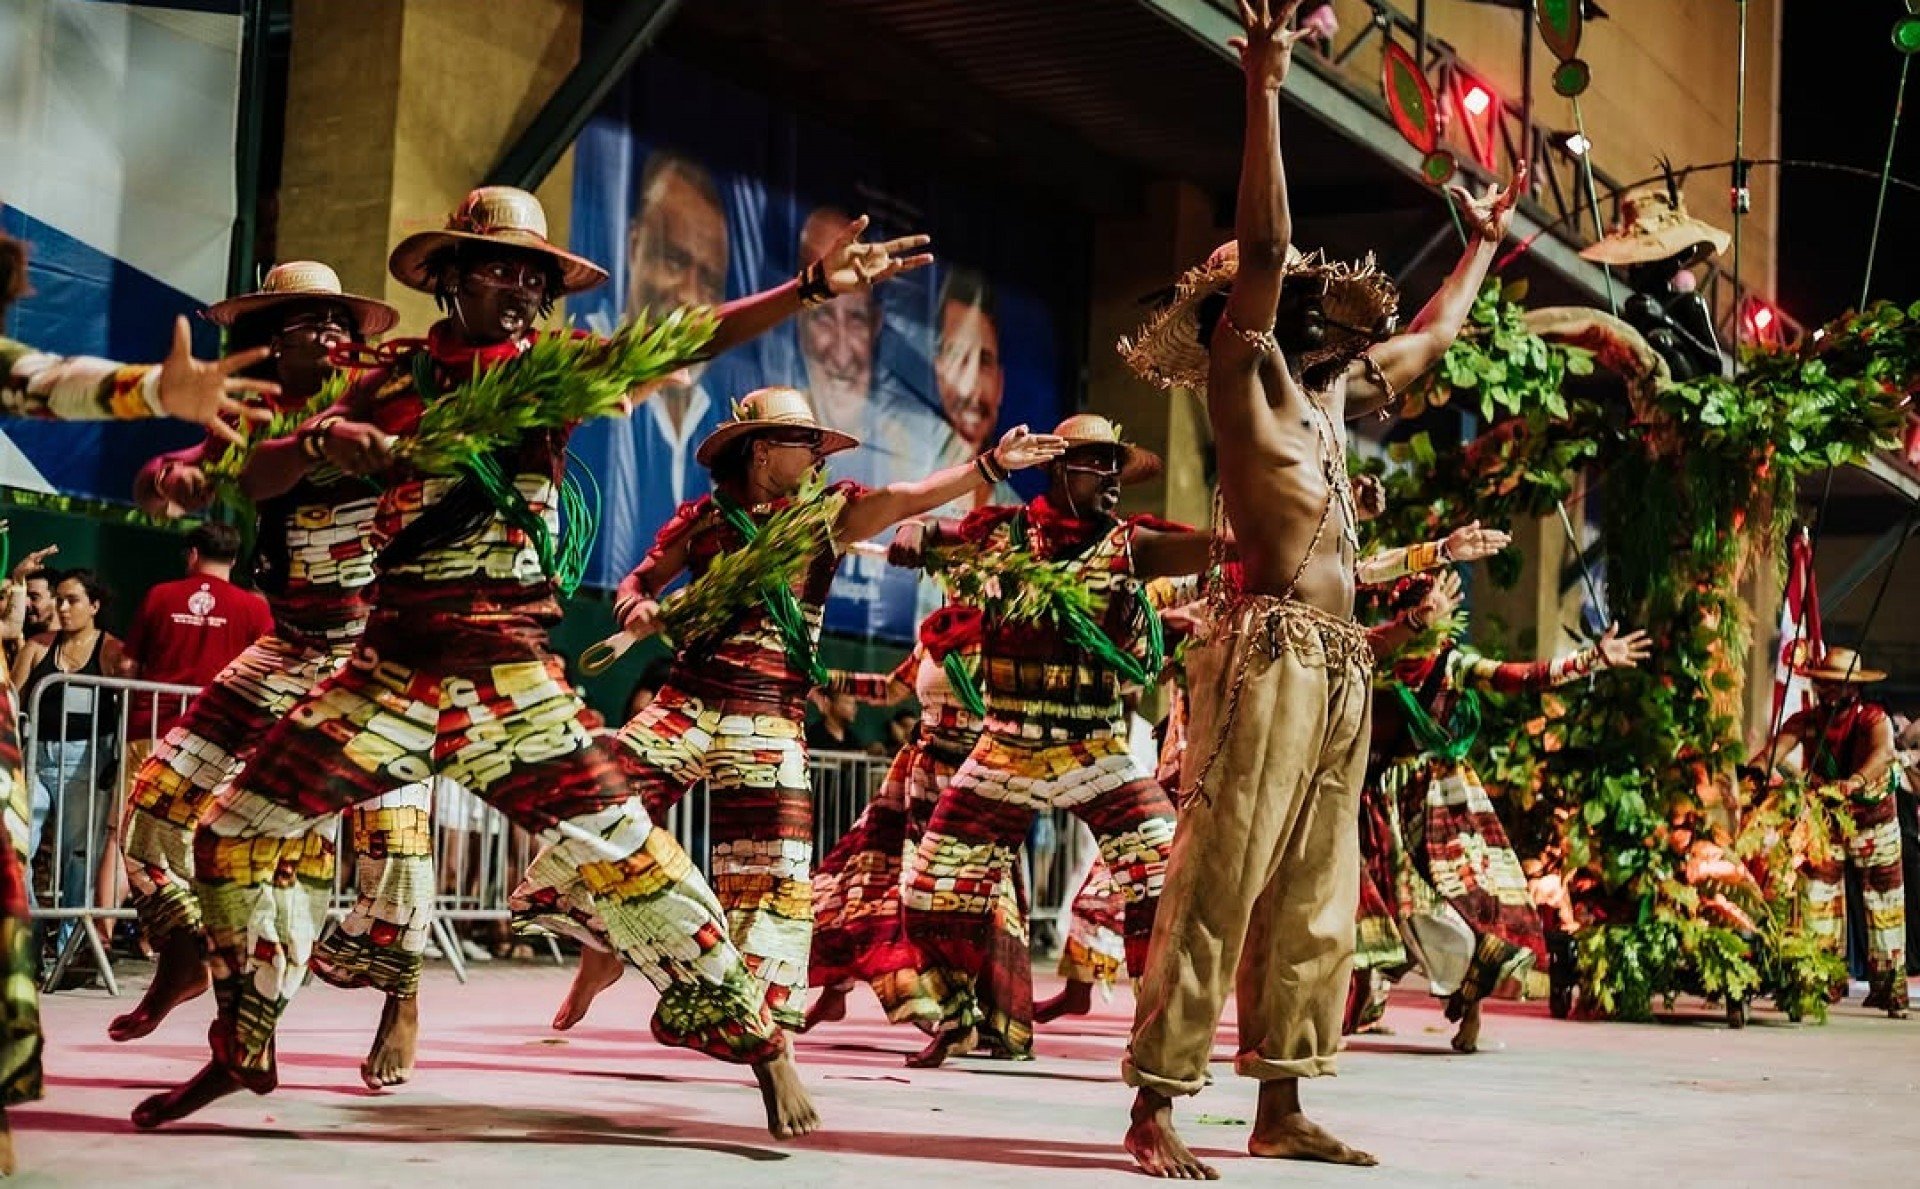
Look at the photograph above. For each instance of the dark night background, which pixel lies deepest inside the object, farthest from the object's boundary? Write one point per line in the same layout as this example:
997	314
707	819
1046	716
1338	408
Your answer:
1839	77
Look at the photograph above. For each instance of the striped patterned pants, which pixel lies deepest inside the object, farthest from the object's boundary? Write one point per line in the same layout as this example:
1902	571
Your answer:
175	789
1871	829
482	702
982	820
753	757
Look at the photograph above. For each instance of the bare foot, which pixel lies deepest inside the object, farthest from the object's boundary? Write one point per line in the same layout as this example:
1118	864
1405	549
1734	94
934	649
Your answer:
1074	999
831	1006
1466	1039
1281	1131
181	976
390	1061
790	1112
1157	1148
599	970
211	1084
946	1044
6	1144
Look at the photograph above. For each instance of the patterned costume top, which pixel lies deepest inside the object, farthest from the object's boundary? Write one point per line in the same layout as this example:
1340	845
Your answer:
313	559
1039	684
78	388
751	662
1850	742
443	547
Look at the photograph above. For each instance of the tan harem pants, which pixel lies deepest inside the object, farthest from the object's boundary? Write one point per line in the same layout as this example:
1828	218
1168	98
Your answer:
1265	871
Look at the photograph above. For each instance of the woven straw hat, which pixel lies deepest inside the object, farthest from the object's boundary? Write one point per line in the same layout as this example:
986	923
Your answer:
1840	664
492	215
770	408
1654	225
1166	351
304	280
1137	464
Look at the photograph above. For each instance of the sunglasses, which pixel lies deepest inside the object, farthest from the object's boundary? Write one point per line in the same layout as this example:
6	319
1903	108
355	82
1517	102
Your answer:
1102	470
312	330
810	439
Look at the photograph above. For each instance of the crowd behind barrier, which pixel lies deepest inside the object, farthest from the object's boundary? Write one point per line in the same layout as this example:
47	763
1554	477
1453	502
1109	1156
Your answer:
75	746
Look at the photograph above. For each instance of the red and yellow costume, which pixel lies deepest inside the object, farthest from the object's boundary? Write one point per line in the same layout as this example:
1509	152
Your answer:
1053	740
453	677
859	930
733	713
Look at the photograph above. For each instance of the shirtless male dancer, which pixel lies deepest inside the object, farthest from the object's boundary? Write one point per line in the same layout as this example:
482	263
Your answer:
1263	879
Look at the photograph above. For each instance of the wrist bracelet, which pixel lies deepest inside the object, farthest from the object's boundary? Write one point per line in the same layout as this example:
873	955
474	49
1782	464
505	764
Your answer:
990	468
312	439
814	290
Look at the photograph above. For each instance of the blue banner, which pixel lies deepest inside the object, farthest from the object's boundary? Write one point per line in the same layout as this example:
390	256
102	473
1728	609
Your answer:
690	189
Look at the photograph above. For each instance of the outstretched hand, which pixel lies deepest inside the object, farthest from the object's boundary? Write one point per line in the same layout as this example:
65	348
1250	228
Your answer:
1266	52
1019	449
1441	600
1624	652
204	393
1472	543
1492	213
854	266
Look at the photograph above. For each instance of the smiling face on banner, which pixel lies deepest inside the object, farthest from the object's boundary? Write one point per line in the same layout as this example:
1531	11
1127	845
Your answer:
838	340
677	252
966	364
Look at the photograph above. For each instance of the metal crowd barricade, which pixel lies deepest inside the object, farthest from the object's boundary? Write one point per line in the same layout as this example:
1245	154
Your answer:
76	733
76	729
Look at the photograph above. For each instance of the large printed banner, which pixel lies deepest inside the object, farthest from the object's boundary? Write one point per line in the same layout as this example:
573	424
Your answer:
117	129
692	190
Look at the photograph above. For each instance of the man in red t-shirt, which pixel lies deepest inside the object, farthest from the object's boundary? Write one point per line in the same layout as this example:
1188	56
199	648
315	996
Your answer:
186	632
189	629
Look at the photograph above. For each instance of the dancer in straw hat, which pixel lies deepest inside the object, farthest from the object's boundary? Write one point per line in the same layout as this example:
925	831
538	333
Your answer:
1262	882
733	712
314	561
1657	242
1847	752
453	677
1053	736
37	384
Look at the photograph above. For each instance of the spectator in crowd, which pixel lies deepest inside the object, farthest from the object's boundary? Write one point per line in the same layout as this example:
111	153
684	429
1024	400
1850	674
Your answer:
26	609
72	730
834	729
900	729
186	632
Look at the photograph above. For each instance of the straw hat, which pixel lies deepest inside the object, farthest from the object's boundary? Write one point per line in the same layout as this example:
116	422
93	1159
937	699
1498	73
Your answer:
1167	351
1840	664
770	408
304	280
1137	464
492	215
1654	225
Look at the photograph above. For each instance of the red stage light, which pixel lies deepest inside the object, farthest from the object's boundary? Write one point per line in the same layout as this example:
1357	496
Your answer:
1477	100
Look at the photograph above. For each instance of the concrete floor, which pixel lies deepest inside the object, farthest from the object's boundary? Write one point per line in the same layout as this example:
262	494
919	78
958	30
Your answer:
501	1101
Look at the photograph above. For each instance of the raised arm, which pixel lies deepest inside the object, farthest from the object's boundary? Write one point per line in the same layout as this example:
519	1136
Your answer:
1376	380
340	435
1467	543
875	511
1613	651
82	388
1162	553
1263	226
849	266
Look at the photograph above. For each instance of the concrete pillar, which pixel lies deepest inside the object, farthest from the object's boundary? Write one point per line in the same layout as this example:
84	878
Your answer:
396	108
